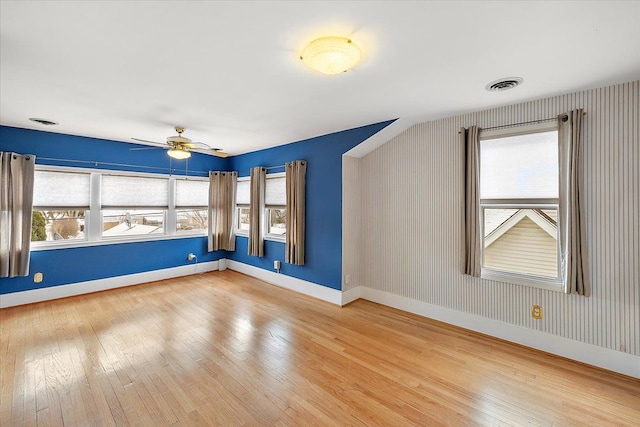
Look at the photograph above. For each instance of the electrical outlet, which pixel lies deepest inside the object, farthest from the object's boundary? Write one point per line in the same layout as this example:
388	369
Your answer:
37	278
191	257
536	311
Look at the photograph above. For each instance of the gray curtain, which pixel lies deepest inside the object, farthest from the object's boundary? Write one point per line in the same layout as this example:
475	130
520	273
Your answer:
16	200
256	209
571	219
296	175
470	140
222	210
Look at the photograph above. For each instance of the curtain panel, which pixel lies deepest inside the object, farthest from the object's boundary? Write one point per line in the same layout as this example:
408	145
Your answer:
16	200
222	210
295	215
571	217
471	141
256	209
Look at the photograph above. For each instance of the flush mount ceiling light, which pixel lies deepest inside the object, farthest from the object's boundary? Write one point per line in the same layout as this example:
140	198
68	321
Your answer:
43	121
505	83
179	153
331	55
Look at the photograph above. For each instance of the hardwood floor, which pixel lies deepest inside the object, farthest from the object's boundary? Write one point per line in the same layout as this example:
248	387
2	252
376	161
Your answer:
223	348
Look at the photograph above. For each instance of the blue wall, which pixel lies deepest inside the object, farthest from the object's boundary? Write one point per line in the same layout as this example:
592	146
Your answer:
323	244
323	202
73	265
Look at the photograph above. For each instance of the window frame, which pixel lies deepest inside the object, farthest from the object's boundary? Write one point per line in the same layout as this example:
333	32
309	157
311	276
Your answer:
264	215
239	231
267	217
94	214
267	211
174	208
536	281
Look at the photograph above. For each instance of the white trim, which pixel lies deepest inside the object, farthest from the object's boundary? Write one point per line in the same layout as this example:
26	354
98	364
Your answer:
380	138
72	289
311	289
522	279
616	361
351	295
83	243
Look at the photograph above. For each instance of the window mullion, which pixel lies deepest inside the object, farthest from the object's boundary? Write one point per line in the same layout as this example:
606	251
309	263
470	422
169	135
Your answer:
93	223
171	215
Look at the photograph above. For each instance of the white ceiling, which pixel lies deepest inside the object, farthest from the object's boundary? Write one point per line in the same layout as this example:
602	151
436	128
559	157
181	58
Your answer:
229	71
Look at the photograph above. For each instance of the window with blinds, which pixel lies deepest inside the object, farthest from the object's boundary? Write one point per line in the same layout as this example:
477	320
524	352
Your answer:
519	188
243	200
122	191
60	204
192	199
275	206
72	204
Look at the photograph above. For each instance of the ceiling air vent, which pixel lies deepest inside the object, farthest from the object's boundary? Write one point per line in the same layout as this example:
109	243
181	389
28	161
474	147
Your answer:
504	84
43	121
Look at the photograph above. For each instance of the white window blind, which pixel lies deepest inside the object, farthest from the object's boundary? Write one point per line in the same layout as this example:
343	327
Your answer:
276	191
190	193
521	167
134	191
243	192
61	189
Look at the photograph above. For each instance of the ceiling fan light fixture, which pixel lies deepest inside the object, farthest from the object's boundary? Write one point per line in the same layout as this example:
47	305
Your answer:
179	153
331	55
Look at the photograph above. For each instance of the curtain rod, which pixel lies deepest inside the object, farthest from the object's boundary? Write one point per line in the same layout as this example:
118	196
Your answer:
97	163
267	168
170	170
525	123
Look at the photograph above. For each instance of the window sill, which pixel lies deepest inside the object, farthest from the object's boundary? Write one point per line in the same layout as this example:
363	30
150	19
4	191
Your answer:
37	246
269	238
522	280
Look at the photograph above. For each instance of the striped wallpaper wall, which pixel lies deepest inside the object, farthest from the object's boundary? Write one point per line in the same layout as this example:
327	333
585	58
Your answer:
409	228
351	223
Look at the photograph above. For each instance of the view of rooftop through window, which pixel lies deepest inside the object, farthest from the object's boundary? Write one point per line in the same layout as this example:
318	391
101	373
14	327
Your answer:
519	203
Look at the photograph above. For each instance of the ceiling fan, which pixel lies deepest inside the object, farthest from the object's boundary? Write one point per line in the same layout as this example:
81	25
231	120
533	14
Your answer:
180	147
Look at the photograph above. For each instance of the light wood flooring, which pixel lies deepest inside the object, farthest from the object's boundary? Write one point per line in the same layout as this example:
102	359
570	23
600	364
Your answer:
223	348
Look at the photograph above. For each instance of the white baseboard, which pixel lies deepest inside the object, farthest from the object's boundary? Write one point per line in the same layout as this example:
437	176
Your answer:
63	291
311	289
616	361
351	295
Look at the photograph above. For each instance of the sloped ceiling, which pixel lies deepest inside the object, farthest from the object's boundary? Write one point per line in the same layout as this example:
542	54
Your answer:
229	71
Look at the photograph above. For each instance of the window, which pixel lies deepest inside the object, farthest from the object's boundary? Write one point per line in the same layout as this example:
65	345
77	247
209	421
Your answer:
243	197
275	206
275	200
519	204
76	207
192	199
60	204
133	205
243	220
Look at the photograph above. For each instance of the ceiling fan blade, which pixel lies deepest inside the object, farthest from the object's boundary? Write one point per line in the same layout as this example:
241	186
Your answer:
150	142
210	151
200	145
146	148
